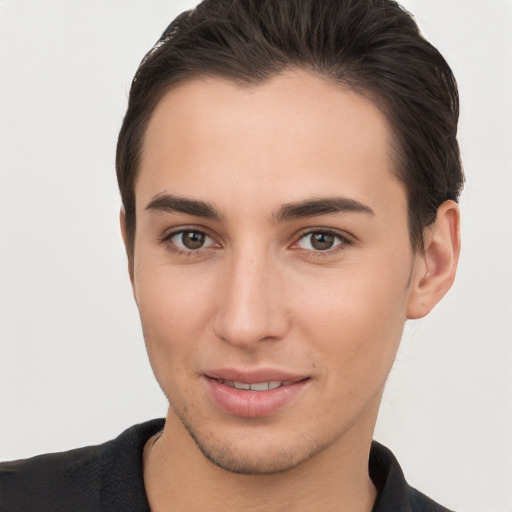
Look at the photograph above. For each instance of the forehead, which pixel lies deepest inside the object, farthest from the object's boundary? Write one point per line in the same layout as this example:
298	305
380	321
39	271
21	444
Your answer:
295	132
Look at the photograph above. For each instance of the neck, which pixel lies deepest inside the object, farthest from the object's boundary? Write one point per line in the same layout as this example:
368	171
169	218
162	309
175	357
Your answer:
178	477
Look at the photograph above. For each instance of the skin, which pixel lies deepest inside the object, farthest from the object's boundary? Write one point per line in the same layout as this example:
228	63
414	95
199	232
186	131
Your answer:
258	294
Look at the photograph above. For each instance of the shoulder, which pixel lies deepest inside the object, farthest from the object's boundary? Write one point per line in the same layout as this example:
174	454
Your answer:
394	491
86	479
57	479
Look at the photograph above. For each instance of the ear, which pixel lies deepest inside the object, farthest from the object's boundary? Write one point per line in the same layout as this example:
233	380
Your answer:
435	268
129	251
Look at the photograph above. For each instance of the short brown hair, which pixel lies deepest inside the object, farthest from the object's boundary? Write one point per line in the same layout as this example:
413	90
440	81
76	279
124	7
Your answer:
373	47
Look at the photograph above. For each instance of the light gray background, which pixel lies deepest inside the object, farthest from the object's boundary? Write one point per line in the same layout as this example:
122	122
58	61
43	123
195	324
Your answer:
73	367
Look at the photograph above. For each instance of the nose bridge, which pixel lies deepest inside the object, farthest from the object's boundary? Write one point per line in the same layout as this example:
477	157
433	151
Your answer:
250	307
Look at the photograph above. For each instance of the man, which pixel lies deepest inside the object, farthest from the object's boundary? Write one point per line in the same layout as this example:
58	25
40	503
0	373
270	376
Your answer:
289	174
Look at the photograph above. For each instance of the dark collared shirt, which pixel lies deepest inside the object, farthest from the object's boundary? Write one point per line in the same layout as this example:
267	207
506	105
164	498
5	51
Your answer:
108	478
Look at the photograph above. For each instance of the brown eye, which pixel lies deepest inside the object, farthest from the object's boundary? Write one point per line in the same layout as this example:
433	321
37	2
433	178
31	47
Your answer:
191	240
320	241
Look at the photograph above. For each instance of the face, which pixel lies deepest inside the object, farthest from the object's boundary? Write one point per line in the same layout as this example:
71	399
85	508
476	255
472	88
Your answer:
272	266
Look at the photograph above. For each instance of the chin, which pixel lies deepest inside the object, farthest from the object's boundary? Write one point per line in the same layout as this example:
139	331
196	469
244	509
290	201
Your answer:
250	456
250	461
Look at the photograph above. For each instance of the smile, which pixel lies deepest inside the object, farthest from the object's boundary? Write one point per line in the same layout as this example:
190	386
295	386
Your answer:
259	397
257	386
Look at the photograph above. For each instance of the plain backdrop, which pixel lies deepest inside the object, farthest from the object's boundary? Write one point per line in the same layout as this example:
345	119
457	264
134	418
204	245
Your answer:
73	368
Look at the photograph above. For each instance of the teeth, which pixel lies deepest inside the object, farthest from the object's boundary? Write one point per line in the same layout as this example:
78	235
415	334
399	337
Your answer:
257	386
260	386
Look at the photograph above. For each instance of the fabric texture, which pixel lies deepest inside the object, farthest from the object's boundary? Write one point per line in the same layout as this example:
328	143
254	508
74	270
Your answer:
108	478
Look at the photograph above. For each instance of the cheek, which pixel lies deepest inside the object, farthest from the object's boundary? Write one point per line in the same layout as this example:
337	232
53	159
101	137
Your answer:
174	311
356	338
358	322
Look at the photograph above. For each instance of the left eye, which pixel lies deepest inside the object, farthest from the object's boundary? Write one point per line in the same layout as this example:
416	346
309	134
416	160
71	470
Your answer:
191	240
320	241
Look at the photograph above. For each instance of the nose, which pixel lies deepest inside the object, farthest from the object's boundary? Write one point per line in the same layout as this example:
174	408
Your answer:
251	305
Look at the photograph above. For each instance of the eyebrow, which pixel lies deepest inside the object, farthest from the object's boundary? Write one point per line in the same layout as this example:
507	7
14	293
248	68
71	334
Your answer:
310	208
169	203
320	206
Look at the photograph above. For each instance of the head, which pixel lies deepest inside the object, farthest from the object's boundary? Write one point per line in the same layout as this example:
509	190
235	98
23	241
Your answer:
372	47
288	173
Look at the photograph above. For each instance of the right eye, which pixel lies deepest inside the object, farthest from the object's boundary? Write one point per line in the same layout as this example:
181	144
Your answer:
190	240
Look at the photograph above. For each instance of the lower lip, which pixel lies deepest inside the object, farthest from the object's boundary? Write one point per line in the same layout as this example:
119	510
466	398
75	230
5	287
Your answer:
252	404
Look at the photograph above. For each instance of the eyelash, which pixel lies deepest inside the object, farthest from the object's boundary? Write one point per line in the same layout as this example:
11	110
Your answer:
343	242
172	247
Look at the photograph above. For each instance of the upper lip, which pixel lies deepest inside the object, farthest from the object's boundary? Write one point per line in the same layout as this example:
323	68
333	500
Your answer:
254	376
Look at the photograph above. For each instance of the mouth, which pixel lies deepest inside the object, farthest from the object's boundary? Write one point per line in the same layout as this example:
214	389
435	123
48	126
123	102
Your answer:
254	394
256	386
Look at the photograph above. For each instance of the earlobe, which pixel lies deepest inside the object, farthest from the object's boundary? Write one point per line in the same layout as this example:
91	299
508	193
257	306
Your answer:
122	223
436	267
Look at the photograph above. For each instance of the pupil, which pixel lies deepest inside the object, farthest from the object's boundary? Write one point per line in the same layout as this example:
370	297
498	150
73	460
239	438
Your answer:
193	239
322	241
